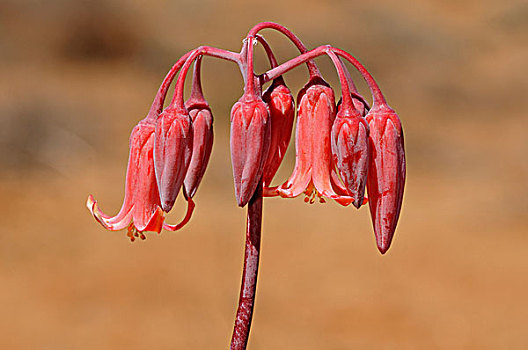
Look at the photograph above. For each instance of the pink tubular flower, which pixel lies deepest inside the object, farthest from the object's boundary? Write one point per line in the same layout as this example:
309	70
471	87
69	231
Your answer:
172	153
282	110
250	138
386	174
141	210
314	172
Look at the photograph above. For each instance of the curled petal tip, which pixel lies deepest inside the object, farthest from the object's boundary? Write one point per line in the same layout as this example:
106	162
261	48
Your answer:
188	215
115	223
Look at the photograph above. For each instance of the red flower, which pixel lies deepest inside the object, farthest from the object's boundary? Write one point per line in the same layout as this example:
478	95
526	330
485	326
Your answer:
350	149
141	210
386	174
250	138
202	121
172	153
314	172
282	110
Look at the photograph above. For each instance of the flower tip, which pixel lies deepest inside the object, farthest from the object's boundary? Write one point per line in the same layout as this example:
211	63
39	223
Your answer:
357	203
166	205
242	199
92	206
383	247
90	202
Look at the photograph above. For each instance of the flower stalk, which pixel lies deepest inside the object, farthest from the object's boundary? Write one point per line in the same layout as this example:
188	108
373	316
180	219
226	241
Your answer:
342	151
248	288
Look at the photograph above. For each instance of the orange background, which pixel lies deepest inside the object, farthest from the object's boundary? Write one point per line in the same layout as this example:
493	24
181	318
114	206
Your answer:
76	76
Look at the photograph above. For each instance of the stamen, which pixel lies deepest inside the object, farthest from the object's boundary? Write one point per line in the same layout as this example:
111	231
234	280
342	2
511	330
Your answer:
132	232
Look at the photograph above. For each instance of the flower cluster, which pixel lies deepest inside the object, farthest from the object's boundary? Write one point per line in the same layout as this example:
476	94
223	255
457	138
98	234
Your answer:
343	150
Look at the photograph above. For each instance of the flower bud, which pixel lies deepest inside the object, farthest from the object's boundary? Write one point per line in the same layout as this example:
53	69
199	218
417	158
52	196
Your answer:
202	121
282	110
386	173
250	139
350	150
172	153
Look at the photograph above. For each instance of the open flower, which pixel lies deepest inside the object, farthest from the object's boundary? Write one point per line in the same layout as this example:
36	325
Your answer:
141	210
314	173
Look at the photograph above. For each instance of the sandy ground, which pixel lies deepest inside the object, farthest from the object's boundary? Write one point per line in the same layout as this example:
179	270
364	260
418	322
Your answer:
77	76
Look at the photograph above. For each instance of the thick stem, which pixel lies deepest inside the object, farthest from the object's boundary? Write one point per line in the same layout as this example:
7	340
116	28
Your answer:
312	68
249	275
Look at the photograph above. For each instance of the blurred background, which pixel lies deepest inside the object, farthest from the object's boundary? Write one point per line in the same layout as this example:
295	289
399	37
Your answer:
76	76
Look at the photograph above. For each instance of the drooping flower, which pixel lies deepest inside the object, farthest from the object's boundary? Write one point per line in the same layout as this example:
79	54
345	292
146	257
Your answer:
141	210
202	120
350	149
172	153
386	174
282	110
250	138
314	173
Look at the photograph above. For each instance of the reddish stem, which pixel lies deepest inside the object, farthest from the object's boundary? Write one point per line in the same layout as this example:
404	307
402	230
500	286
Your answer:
351	84
196	92
312	68
377	95
248	288
345	90
249	89
378	98
157	105
177	100
267	48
